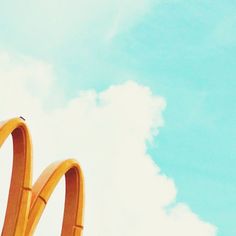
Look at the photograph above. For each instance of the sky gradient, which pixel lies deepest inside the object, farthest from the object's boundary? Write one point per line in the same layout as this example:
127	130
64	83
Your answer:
184	51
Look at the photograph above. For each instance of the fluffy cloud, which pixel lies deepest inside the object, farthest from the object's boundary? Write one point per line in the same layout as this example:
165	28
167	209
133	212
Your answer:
126	193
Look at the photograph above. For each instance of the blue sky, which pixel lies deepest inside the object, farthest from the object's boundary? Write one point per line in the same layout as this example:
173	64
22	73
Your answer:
183	50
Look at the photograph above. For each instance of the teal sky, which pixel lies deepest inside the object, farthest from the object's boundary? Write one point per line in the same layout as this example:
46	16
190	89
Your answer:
184	51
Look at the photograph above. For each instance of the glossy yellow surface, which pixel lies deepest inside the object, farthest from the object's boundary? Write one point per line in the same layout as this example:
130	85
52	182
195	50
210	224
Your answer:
26	203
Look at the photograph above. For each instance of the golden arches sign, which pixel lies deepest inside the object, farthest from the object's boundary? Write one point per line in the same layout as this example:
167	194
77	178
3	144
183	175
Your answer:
26	203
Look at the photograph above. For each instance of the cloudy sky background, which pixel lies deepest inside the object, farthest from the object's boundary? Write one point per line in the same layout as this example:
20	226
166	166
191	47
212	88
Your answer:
142	94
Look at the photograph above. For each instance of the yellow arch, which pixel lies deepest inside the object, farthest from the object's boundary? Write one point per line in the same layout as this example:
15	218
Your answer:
43	188
25	205
20	187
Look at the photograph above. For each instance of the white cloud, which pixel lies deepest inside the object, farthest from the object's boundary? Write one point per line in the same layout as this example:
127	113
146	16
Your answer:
126	194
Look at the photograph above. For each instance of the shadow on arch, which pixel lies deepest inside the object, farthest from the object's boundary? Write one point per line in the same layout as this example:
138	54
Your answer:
26	203
43	188
19	196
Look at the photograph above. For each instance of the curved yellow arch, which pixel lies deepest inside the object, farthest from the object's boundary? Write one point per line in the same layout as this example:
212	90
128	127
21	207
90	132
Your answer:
20	187
43	188
26	204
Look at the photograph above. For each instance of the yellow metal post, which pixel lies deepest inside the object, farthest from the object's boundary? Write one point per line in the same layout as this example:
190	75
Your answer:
26	204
